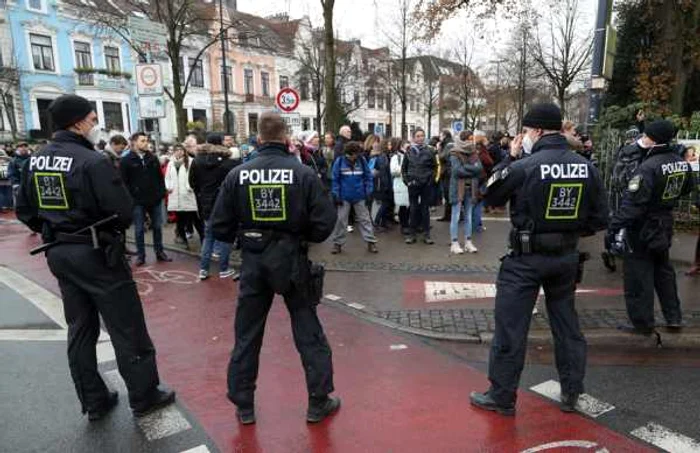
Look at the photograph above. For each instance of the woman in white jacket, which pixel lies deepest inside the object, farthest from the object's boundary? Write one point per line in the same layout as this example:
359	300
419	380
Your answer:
181	197
400	189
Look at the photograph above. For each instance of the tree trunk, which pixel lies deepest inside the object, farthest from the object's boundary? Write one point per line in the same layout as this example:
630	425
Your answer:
430	118
561	97
332	115
177	96
404	126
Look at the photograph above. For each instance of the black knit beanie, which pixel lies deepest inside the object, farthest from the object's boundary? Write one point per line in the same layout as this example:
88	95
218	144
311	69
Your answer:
661	131
543	116
68	110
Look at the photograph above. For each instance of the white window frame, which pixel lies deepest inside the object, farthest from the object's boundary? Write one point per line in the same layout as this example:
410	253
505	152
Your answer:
253	82
54	49
42	9
84	41
269	84
229	68
119	53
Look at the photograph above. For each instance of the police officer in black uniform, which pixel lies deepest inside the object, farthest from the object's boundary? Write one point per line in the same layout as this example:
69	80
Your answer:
275	205
645	219
555	196
67	187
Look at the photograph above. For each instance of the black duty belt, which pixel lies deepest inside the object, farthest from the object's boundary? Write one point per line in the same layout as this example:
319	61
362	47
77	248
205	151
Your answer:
67	238
527	243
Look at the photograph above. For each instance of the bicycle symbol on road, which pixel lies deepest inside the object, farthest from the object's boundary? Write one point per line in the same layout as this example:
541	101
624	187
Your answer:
146	277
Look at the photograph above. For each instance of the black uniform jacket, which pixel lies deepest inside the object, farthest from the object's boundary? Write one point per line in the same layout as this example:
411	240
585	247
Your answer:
554	190
68	186
273	192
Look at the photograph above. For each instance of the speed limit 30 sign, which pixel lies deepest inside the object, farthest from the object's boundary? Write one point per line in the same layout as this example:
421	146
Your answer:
287	100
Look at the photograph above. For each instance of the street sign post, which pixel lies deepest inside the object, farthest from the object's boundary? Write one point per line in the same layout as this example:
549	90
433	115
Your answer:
149	79
151	107
293	122
287	100
458	126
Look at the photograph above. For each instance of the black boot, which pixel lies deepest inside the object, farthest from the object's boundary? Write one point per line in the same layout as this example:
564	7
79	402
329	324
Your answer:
568	402
161	256
158	400
486	402
319	409
105	408
609	261
246	415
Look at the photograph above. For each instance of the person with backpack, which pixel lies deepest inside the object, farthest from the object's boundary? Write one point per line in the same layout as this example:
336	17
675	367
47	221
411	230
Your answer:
352	185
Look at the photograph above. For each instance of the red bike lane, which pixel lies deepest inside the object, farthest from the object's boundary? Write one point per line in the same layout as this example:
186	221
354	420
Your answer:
398	394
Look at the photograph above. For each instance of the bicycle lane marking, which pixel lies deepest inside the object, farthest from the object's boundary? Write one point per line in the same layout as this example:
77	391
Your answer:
146	277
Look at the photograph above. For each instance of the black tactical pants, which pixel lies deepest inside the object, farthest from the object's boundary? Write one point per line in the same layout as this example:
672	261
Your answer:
90	289
644	272
517	288
254	303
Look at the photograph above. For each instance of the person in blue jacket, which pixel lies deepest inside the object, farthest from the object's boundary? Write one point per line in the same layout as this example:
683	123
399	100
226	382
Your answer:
352	185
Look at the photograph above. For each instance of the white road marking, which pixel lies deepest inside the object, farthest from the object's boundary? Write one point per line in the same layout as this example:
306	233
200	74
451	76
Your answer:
105	352
356	306
33	335
159	424
586	404
448	291
199	449
588	445
43	299
398	347
666	439
332	297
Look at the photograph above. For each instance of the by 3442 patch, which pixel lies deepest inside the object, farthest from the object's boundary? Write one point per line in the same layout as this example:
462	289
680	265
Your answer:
51	191
268	202
564	201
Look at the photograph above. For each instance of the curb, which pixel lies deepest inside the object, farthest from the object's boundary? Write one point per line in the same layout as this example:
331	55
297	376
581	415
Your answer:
688	338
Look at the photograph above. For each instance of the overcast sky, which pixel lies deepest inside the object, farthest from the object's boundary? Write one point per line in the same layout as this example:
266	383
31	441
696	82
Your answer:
368	19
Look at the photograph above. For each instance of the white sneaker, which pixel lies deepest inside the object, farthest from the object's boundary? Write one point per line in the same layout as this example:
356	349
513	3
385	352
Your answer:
469	247
203	275
350	229
455	249
227	273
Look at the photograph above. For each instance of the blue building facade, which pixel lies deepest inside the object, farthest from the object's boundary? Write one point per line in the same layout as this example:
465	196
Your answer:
57	53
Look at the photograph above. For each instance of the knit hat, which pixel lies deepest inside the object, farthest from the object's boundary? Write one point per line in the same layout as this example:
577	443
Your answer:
545	116
68	110
661	131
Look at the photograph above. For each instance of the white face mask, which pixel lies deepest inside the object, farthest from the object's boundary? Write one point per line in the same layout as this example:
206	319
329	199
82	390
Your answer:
641	144
94	135
528	143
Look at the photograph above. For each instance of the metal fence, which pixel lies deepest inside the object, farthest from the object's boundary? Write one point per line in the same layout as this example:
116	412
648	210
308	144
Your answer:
610	140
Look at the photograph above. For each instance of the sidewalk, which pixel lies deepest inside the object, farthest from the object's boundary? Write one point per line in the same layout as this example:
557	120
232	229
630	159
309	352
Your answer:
398	394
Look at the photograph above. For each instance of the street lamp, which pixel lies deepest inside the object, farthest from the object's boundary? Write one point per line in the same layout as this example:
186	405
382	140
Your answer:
227	112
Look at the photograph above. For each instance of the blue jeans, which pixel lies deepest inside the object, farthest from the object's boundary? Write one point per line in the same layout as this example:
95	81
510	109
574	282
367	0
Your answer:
209	245
477	209
454	221
156	215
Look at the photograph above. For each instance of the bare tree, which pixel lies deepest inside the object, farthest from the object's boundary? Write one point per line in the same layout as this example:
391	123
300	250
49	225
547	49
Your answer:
9	86
564	55
332	107
465	83
400	37
432	95
310	57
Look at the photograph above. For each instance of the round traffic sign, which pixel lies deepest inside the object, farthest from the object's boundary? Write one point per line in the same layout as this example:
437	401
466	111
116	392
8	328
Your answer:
287	100
149	76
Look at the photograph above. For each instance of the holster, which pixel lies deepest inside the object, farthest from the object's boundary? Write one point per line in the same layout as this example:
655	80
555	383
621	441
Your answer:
112	244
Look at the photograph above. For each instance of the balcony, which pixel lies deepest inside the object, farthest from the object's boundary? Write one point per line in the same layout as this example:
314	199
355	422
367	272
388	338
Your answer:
102	79
264	100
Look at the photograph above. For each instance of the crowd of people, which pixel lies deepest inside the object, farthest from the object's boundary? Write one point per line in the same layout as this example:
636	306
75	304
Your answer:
378	184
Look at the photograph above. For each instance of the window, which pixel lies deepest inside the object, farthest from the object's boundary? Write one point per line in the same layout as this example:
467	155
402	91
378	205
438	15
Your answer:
248	83
304	89
388	131
227	78
83	55
389	106
243	38
42	52
411	103
200	116
114	119
284	82
370	99
380	100
305	124
357	100
197	74
36	5
265	78
370	128
252	124
112	62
